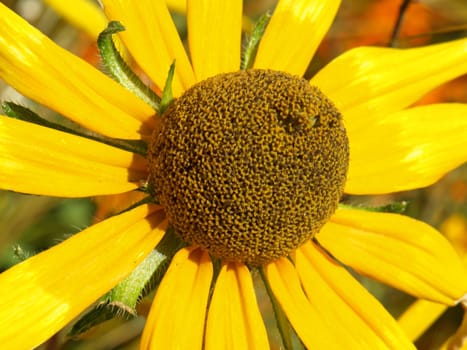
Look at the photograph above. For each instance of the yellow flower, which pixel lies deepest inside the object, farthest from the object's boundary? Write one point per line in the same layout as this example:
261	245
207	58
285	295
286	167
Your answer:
392	148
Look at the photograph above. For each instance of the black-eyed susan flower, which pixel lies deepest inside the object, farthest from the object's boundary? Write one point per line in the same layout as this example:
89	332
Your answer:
247	166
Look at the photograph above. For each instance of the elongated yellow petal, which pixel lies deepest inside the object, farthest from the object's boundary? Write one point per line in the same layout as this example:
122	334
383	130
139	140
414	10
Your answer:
42	294
407	149
152	39
214	35
52	76
368	82
181	5
397	250
312	329
176	319
419	317
44	161
234	320
88	16
343	302
84	14
293	34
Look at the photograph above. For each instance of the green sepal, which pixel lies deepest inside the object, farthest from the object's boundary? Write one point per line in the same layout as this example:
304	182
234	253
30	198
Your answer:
16	111
393	207
167	247
129	291
252	44
290	341
103	311
167	96
122	300
119	70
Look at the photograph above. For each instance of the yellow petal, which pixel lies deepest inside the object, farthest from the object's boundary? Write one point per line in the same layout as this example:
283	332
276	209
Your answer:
89	17
234	320
181	5
50	75
368	82
83	14
302	315
152	39
109	205
344	303
44	161
419	317
176	319
42	294
214	35
455	230
293	34
397	250
407	149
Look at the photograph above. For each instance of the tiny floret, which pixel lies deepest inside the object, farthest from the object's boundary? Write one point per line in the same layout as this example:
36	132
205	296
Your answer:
249	165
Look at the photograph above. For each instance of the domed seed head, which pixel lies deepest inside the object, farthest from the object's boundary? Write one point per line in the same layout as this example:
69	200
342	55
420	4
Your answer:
249	165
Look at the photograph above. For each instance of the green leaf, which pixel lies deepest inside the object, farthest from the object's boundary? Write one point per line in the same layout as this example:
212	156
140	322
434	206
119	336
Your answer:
119	70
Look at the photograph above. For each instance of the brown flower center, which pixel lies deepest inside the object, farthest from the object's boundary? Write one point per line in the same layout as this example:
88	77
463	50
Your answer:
249	165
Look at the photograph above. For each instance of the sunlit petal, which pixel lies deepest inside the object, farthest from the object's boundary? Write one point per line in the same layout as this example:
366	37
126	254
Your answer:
88	16
293	34
302	315
407	149
344	303
214	35
109	205
176	319
419	317
234	320
84	14
152	39
396	250
368	82
42	294
52	76
44	161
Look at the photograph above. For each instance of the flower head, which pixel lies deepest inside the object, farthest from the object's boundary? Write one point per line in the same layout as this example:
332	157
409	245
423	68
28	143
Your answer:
248	167
262	166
